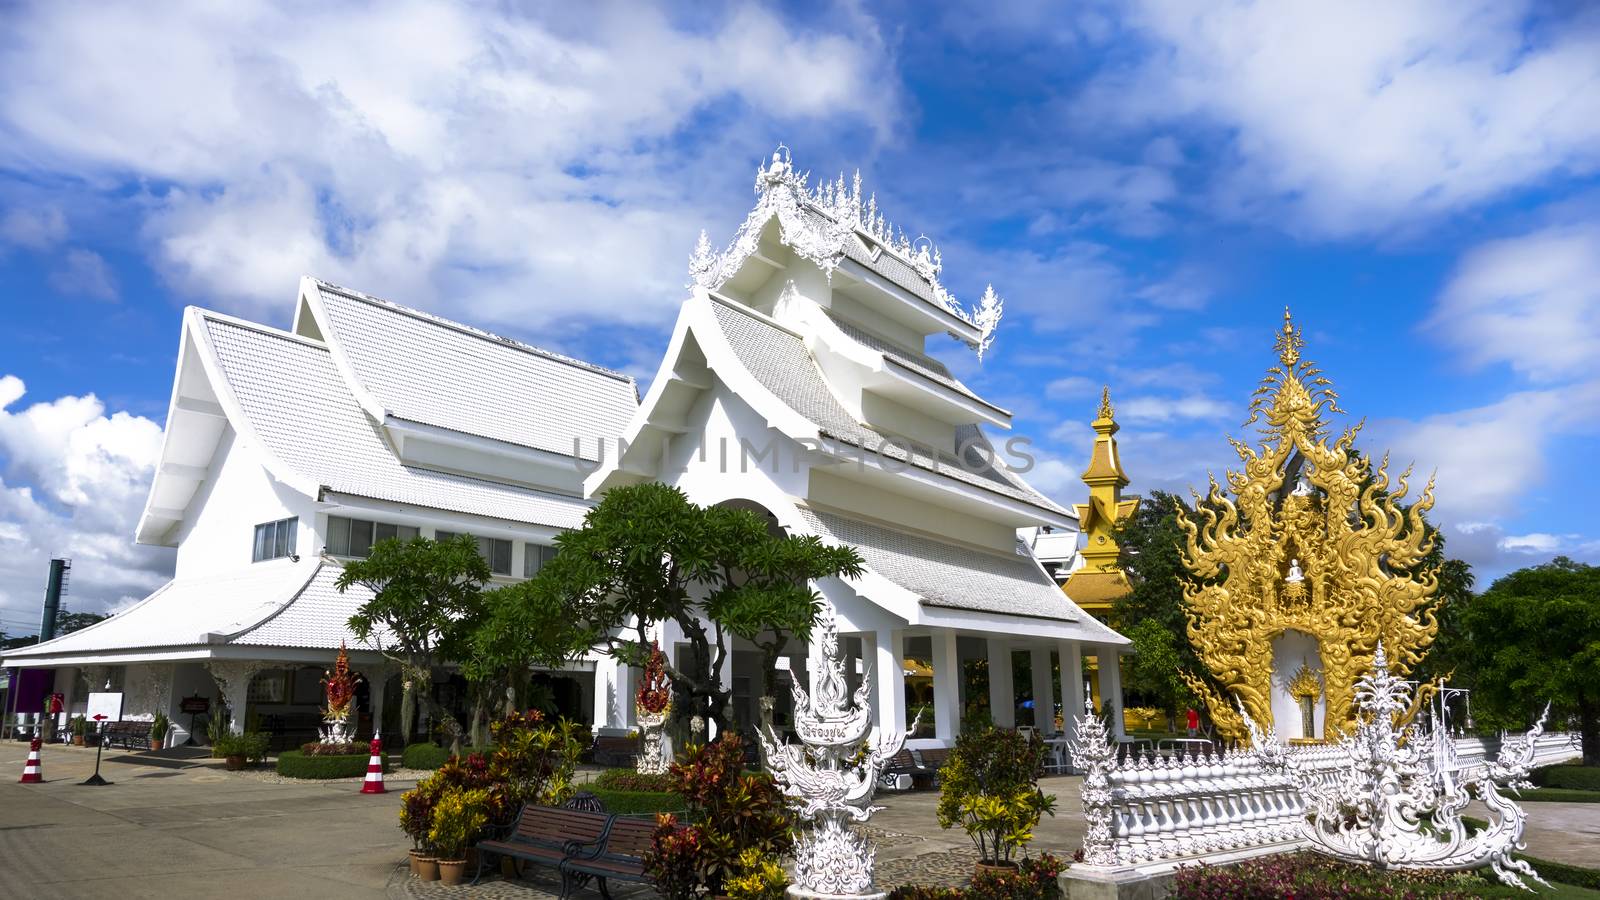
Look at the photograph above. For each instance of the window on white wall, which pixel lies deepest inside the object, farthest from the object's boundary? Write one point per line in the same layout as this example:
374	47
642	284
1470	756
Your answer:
355	537
495	551
275	540
534	558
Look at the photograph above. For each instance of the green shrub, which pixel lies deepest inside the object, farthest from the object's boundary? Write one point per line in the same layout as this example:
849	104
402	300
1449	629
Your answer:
638	803
1569	776
296	764
990	788
629	780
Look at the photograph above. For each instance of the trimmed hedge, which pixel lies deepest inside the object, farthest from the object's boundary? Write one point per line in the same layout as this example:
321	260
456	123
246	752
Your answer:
430	756
296	764
423	756
1560	795
637	803
630	780
1568	776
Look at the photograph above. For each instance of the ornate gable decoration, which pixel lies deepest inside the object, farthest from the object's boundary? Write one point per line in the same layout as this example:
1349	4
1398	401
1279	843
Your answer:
816	223
1312	540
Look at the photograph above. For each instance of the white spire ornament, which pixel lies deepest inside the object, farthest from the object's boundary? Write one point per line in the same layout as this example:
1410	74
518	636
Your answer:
987	317
828	779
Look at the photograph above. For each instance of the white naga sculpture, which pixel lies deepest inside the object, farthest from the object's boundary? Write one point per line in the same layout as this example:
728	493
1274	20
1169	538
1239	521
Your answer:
1397	803
824	783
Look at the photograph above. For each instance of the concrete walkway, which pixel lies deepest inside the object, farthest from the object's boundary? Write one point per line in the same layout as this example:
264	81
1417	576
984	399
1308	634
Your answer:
196	832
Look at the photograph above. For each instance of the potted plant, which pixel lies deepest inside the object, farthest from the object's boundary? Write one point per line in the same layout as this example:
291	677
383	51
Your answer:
457	818
79	726
158	731
990	787
230	749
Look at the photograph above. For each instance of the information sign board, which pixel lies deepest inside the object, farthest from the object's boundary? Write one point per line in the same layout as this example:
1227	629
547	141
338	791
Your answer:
105	706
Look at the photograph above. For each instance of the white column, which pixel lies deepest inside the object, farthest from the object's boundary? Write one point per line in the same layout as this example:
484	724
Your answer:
1072	696
613	696
1111	688
946	685
889	671
377	684
1044	695
1002	695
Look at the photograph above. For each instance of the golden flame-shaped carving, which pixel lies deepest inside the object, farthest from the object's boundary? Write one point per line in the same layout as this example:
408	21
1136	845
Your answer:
1312	540
1304	683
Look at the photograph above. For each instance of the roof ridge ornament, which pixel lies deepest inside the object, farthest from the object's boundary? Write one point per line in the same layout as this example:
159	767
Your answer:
1106	411
783	191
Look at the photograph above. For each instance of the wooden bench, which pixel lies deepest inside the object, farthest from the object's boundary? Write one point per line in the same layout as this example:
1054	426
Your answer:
128	735
934	759
903	763
615	750
546	835
619	856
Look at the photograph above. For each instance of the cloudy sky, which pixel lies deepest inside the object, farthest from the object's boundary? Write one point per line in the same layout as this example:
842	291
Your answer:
1147	185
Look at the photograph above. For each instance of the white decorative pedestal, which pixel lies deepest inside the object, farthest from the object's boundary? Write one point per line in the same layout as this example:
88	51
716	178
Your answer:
832	860
652	744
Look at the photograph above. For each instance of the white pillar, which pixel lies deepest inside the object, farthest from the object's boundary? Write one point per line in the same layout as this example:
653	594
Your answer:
613	696
888	669
377	683
1072	702
1111	688
946	685
1002	695
1044	695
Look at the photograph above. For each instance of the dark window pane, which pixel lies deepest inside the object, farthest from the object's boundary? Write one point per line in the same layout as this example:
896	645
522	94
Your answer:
383	531
263	533
405	532
442	536
500	556
360	538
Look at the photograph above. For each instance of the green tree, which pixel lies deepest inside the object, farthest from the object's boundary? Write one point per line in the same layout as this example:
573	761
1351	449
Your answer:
427	601
1534	637
1152	615
645	555
68	622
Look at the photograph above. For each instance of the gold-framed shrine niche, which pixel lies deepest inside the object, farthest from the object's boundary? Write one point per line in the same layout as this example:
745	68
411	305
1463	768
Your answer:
1308	558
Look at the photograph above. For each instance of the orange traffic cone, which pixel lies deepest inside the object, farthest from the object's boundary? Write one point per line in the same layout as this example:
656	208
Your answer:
374	782
31	773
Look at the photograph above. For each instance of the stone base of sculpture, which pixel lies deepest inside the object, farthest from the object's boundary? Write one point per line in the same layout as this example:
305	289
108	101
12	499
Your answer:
653	759
800	892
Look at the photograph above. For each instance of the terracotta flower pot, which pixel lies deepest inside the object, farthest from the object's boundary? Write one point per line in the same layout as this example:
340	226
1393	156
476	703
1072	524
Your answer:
77	740
234	763
983	868
414	854
451	870
155	744
427	868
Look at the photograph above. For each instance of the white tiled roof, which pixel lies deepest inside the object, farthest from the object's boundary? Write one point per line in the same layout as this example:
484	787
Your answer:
783	365
425	369
950	575
305	414
319	617
183	612
918	363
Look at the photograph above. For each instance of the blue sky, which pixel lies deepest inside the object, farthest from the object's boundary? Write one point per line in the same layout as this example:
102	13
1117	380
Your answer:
1147	185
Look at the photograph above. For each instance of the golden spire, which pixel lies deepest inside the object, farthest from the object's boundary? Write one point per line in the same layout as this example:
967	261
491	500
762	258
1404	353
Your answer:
1106	411
1101	580
1289	342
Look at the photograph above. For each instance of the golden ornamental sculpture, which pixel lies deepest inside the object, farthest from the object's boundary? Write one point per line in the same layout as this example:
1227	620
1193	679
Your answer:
1312	540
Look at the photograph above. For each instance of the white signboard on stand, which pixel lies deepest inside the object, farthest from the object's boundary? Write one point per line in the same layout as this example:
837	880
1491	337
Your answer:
104	706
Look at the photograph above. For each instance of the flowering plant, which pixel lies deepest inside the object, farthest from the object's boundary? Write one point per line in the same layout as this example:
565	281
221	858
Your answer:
457	818
990	787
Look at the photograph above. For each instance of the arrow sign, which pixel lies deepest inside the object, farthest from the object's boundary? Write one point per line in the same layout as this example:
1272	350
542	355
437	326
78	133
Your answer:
98	716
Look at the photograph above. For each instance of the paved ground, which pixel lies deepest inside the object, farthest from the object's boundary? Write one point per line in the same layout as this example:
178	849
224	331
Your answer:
203	832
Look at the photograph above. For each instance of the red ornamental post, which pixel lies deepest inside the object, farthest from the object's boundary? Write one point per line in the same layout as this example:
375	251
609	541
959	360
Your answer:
374	781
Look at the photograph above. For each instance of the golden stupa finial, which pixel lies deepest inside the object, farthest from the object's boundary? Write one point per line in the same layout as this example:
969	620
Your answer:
1106	411
1289	342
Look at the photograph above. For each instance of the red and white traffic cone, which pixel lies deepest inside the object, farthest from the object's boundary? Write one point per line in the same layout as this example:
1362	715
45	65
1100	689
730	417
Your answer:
31	773
374	782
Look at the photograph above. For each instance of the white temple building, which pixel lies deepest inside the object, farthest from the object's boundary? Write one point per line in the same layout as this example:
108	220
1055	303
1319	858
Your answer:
795	383
287	452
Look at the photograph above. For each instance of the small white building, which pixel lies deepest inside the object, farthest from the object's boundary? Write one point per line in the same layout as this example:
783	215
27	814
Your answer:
288	452
796	382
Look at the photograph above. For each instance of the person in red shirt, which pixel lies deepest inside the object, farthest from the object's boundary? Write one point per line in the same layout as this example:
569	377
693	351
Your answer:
1194	722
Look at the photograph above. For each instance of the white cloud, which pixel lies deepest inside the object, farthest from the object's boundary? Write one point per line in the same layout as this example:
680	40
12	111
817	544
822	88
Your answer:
1147	408
1532	302
84	273
540	166
34	229
74	481
1368	114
